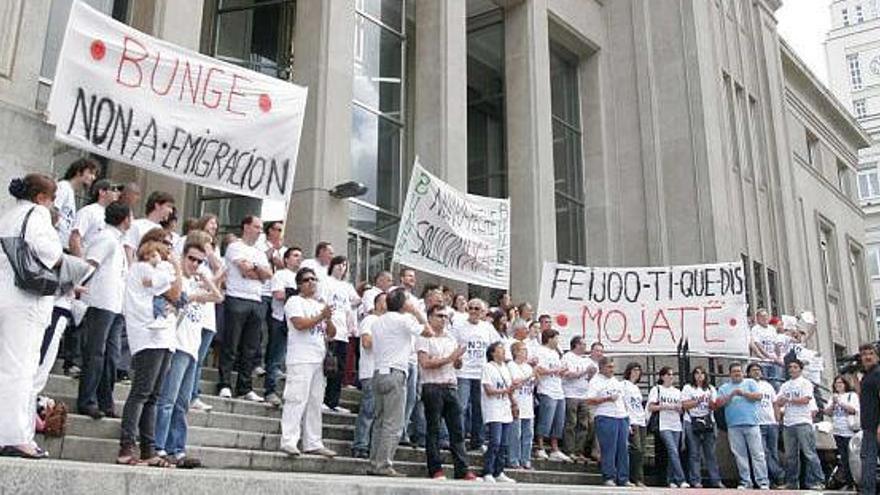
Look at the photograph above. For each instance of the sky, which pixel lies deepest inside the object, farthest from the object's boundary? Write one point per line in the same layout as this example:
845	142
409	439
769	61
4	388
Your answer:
804	24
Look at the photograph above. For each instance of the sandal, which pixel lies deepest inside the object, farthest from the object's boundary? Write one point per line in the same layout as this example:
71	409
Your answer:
126	457
15	451
187	462
157	462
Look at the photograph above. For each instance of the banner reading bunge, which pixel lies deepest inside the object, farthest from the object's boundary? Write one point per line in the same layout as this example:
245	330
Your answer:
650	310
453	234
133	98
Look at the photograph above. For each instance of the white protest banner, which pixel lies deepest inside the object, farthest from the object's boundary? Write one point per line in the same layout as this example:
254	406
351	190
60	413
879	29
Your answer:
133	98
650	310
453	234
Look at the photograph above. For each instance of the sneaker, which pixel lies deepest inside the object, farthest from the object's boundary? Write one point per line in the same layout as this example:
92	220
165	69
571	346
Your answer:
291	451
225	393
252	397
503	478
673	485
73	372
325	408
323	451
273	400
609	483
684	484
629	484
360	454
341	409
697	485
259	371
488	478
439	475
92	412
470	476
390	472
767	487
526	467
743	487
198	405
818	487
541	455
483	449
558	456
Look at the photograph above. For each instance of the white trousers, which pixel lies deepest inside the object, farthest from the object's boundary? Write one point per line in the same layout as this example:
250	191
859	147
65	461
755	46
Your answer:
51	355
301	415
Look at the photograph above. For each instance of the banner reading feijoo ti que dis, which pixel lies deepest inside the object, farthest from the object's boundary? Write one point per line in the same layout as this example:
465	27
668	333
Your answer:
650	310
128	96
453	234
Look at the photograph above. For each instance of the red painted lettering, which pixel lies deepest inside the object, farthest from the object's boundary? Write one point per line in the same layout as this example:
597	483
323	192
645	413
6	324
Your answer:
597	318
217	92
187	82
623	325
658	325
707	324
133	61
232	91
171	78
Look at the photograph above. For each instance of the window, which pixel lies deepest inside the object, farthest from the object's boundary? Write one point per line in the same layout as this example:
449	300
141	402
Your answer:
257	35
855	70
828	255
487	157
860	16
877	317
874	261
869	184
567	158
812	149
859	108
844	179
377	132
748	281
758	275
773	291
731	123
845	14
748	151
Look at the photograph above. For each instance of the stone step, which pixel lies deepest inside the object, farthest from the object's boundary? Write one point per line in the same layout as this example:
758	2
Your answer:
336	437
100	450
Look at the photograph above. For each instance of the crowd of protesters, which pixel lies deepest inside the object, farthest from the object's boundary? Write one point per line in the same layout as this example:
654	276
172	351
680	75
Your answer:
436	371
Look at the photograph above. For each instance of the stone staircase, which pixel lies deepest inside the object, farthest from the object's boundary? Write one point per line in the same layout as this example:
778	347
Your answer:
241	435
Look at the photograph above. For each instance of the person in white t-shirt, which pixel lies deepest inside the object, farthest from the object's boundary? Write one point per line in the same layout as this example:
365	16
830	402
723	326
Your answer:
551	398
102	325
843	409
607	394
156	273
497	403
364	423
90	219
665	400
796	398
244	311
79	175
768	423
341	296
638	420
698	403
174	399
309	326
382	282
159	206
321	262
763	345
393	342
522	432
283	285
579	369
475	335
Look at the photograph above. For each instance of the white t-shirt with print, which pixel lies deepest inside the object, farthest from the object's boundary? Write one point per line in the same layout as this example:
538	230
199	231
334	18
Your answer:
766	412
632	397
576	388
496	408
476	338
796	414
189	327
136	232
839	416
670	419
305	346
339	294
601	387
765	338
138	308
65	201
365	364
704	397
236	284
281	280
525	394
88	222
550	385
107	287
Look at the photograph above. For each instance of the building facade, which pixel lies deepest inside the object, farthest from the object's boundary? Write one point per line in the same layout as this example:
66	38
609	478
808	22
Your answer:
625	132
853	53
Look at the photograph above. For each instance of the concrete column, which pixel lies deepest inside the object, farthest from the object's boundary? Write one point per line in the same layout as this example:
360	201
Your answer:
323	61
441	89
26	139
529	145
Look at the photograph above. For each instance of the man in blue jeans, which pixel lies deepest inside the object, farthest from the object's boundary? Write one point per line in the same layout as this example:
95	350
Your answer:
740	398
796	397
869	414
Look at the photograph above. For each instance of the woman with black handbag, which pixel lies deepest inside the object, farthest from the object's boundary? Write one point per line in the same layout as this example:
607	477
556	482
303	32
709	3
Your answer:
698	402
28	279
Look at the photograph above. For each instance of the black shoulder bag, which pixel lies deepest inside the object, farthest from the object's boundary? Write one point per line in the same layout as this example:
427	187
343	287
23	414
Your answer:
31	275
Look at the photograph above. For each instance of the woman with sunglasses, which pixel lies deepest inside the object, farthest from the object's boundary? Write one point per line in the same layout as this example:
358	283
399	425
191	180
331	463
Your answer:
665	400
310	326
698	400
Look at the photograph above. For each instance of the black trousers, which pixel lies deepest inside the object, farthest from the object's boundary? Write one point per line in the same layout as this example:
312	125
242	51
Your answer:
334	381
244	320
101	331
441	402
148	368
